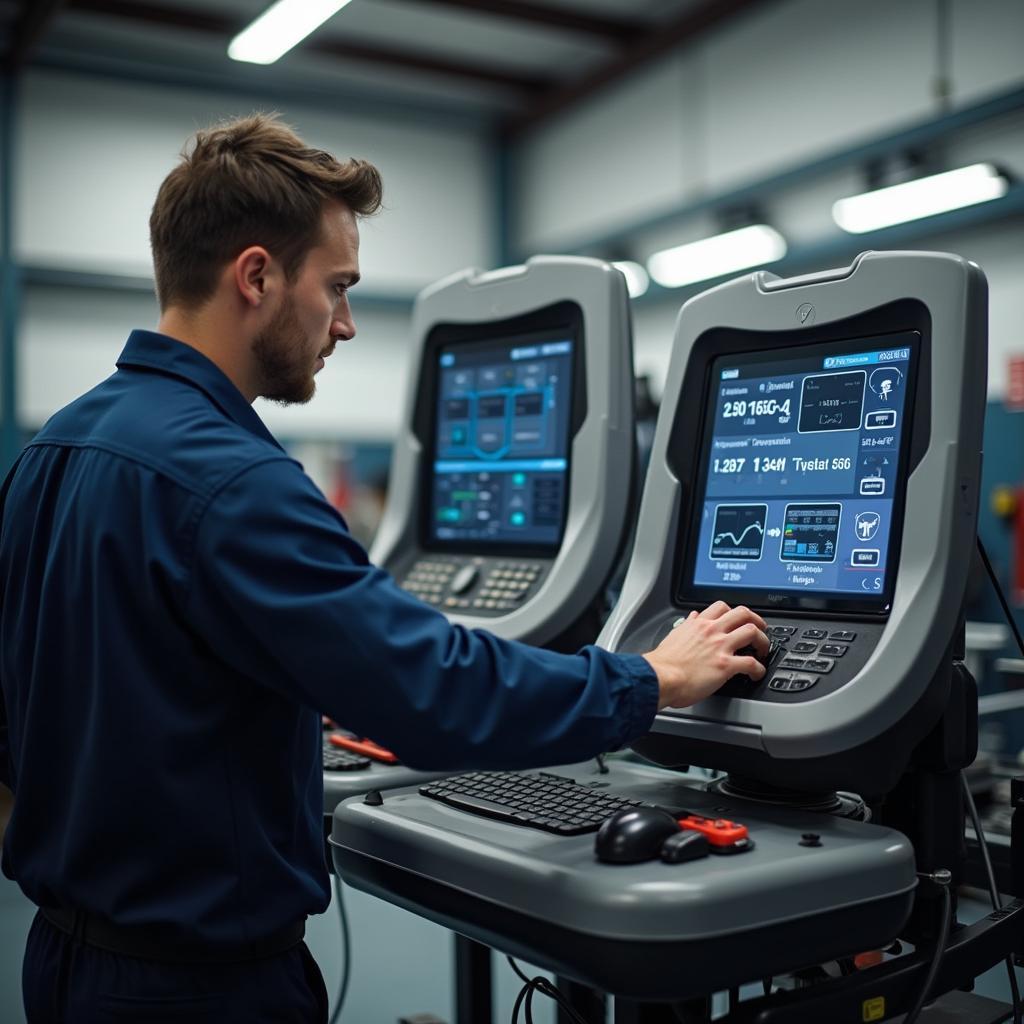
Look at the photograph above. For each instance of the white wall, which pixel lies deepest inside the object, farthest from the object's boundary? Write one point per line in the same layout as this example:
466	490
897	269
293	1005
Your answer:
91	154
624	154
772	90
71	337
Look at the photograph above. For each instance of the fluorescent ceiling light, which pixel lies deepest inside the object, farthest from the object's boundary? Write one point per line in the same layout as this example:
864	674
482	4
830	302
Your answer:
280	27
716	256
636	277
923	197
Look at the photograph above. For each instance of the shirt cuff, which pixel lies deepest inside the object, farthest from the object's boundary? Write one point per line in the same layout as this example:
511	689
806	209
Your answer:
643	696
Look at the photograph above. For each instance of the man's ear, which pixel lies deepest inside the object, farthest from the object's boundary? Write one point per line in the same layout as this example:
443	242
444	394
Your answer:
254	274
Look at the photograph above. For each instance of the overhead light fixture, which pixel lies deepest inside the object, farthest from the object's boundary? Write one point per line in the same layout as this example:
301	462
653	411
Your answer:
716	256
280	27
922	197
637	280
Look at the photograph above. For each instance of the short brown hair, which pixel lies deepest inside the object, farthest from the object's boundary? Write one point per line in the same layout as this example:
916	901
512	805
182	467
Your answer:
251	181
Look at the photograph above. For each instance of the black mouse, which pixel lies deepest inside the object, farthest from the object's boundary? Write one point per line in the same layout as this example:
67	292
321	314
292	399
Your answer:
634	834
683	846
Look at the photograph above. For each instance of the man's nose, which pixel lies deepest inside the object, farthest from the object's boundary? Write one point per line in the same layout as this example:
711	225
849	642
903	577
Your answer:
343	327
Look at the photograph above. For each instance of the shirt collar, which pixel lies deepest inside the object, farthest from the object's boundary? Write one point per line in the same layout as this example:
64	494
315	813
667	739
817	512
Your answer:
174	358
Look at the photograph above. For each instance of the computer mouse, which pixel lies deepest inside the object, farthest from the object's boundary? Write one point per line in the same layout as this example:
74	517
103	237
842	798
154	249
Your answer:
684	845
634	834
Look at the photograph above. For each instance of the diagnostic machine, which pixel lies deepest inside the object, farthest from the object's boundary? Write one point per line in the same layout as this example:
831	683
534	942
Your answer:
510	487
817	457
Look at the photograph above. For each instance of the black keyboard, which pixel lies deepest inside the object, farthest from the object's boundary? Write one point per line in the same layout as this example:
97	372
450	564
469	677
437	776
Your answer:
534	799
337	760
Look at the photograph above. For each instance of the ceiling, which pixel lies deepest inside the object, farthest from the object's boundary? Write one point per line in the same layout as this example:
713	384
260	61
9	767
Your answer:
516	62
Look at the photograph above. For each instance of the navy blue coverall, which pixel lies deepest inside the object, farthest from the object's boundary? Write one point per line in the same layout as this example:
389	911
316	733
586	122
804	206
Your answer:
178	605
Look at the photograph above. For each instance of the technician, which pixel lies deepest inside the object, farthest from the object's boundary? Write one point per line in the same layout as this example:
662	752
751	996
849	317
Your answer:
179	605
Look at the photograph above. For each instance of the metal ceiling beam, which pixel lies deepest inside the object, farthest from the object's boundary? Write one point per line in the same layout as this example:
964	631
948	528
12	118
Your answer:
213	23
530	84
617	31
655	43
33	19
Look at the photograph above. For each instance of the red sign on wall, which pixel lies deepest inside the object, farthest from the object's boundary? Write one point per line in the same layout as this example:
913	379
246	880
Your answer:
1015	383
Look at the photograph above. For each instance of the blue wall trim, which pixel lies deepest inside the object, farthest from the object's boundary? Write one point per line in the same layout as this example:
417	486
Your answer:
840	249
914	136
58	277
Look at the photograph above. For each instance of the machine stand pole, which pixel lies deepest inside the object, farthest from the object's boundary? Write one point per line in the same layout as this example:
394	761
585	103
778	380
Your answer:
473	1003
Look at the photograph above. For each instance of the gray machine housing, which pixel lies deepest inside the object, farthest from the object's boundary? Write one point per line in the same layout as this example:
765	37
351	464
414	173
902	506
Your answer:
901	652
602	449
645	931
602	457
812	886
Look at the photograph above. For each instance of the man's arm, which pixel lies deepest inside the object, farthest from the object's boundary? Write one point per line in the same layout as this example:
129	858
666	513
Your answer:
284	595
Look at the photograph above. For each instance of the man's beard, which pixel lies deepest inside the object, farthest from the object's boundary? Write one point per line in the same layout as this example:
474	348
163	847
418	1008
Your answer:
280	351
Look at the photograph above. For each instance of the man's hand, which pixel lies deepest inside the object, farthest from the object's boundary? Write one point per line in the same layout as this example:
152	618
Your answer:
699	655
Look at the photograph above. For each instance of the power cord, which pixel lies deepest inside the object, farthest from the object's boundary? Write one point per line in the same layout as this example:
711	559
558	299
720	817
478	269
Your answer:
941	878
346	945
542	985
993	889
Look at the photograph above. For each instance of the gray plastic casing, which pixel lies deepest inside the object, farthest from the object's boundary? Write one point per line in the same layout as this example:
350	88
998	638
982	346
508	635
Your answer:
559	878
941	500
601	451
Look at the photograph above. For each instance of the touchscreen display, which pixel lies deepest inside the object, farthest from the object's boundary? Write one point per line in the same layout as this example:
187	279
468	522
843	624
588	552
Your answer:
501	442
804	471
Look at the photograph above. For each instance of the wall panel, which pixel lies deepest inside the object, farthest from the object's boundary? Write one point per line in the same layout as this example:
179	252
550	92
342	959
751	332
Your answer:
92	152
72	337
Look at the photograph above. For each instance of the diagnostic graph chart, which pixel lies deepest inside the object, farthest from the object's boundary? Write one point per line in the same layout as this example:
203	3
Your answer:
739	531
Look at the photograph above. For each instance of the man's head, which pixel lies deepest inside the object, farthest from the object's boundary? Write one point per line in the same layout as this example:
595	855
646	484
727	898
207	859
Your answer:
254	219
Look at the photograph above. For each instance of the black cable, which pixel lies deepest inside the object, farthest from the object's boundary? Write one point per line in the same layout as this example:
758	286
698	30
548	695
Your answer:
545	988
346	945
972	810
525	1000
529	1005
993	889
933	969
518	972
519	1001
1002	597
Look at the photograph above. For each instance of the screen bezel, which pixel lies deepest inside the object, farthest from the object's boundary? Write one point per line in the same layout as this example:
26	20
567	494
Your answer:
556	322
695	418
